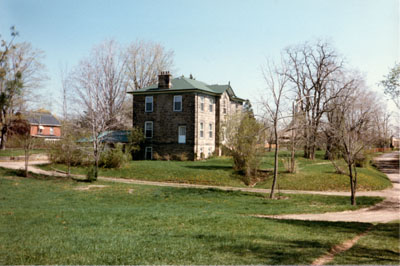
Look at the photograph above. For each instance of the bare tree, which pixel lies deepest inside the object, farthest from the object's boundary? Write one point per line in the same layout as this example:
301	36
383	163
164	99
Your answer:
351	128
100	84
276	81
145	60
313	69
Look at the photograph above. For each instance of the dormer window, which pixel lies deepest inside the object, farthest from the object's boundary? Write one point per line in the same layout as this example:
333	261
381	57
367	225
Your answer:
178	103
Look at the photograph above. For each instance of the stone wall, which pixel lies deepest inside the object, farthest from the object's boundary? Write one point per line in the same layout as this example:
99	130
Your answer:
205	146
165	125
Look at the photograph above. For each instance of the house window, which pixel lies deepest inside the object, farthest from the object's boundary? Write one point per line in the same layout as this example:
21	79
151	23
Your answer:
202	103
148	129
201	130
211	105
40	130
51	130
210	130
149	153
224	106
149	104
177	103
201	153
209	151
182	134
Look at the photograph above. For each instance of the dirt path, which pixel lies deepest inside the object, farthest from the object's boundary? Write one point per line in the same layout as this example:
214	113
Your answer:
328	257
386	211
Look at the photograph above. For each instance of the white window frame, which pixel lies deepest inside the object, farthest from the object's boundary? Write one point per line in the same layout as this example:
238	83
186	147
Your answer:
51	130
211	105
210	130
175	101
201	130
148	99
146	151
201	103
145	129
181	138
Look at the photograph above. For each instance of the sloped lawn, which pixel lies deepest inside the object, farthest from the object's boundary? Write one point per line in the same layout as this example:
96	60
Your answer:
312	175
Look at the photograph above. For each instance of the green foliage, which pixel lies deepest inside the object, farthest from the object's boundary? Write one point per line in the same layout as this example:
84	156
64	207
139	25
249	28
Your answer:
245	141
113	157
391	83
91	174
66	151
135	137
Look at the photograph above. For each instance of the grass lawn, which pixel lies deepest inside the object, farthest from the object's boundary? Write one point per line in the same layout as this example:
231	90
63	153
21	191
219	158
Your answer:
19	152
312	175
48	221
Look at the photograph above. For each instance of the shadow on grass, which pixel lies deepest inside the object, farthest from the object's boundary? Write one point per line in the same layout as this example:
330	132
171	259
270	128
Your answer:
281	247
210	167
375	247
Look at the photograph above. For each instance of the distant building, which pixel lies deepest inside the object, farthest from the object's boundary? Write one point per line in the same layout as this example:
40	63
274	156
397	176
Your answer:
395	142
182	117
44	125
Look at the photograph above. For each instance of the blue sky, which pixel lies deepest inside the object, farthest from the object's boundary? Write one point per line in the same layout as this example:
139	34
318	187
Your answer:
217	41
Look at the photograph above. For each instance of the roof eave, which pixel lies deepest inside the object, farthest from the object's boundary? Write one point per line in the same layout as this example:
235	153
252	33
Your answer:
167	91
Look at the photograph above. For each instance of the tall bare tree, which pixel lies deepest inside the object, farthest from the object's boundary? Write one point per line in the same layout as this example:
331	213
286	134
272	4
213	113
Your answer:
313	69
100	84
351	128
276	81
145	60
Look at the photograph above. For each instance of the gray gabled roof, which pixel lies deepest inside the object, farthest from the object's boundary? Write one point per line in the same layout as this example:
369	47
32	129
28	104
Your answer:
181	84
41	118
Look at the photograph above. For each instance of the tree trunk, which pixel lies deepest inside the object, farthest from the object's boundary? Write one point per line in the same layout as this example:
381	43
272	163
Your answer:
352	185
3	138
275	163
26	157
292	162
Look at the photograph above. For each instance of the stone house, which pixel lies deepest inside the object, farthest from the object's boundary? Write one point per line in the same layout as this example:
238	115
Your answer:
182	117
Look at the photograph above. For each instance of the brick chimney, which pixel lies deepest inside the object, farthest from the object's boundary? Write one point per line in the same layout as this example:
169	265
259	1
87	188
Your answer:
164	80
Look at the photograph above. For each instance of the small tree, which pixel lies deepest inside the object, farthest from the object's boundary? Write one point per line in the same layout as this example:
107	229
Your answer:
391	83
351	130
135	137
245	141
276	80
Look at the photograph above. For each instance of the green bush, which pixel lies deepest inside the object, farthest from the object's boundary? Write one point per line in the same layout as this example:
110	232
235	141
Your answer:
91	174
362	160
113	158
65	151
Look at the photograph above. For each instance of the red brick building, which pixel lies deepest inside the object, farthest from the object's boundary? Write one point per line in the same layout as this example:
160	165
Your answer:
44	125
